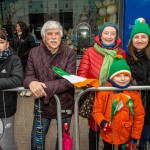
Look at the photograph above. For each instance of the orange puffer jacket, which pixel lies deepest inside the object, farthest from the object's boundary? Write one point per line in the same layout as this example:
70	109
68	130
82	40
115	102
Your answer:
90	67
124	124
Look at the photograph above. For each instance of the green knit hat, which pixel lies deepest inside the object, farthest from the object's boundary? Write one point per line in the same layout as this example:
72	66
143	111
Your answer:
119	66
140	27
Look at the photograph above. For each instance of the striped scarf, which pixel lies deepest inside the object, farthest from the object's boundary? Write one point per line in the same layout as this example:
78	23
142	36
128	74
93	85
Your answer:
4	54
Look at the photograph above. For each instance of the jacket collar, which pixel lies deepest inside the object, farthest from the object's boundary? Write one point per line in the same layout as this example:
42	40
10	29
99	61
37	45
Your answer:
60	48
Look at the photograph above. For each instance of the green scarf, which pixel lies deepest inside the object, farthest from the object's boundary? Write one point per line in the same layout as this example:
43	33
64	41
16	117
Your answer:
108	59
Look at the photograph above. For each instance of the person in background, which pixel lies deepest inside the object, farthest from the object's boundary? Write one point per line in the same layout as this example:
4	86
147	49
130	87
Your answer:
68	43
11	76
120	114
138	58
22	43
44	82
95	63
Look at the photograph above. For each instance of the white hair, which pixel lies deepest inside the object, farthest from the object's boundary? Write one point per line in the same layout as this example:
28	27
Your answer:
51	25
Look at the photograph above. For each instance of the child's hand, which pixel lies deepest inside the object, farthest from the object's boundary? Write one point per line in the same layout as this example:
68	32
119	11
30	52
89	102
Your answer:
131	145
107	127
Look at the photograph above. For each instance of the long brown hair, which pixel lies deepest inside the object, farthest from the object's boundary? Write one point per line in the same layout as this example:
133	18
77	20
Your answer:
132	50
24	28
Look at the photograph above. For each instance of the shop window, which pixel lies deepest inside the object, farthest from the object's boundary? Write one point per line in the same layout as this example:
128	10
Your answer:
83	35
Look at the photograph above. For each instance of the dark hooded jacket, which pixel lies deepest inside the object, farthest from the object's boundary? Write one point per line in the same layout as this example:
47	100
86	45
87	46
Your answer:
141	76
22	46
11	76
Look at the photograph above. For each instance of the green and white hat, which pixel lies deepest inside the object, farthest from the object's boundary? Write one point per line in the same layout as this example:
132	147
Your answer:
140	27
119	66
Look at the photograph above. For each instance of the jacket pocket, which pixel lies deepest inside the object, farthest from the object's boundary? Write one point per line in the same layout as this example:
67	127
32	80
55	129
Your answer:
125	130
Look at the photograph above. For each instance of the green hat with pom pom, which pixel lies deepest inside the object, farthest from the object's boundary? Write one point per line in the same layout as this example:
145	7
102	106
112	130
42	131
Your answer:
140	27
119	66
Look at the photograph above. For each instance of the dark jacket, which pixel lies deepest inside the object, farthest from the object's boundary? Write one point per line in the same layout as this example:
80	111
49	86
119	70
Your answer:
141	76
11	76
39	68
22	46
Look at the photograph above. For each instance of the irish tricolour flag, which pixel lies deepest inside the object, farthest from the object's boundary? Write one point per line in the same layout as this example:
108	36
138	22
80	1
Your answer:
77	80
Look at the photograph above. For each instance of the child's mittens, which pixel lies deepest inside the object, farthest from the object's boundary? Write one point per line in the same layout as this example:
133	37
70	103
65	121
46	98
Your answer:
107	127
131	145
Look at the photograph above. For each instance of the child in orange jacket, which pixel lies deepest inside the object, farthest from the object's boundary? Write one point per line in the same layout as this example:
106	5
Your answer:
120	114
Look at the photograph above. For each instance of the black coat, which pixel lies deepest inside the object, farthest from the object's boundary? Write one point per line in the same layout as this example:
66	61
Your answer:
22	46
11	76
141	74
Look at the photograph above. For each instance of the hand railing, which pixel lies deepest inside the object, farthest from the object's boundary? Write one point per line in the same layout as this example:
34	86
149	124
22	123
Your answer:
59	118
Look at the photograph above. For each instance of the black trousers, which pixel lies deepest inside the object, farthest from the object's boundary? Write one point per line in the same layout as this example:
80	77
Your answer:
93	139
108	146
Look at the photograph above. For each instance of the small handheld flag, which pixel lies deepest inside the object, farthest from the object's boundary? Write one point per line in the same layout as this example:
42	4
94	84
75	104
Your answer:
77	80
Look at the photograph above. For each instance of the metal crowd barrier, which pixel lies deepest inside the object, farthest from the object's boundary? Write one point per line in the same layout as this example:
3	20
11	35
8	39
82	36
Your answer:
94	89
59	118
76	108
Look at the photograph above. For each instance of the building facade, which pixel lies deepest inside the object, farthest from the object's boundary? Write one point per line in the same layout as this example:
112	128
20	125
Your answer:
80	19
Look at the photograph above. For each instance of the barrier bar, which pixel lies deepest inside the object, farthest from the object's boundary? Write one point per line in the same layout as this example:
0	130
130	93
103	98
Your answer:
59	119
98	89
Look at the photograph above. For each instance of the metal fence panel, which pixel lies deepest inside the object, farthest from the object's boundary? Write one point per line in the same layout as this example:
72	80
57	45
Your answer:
98	89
